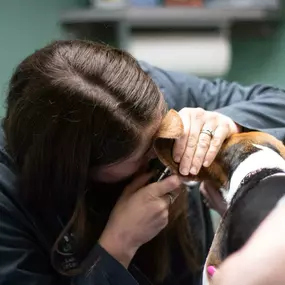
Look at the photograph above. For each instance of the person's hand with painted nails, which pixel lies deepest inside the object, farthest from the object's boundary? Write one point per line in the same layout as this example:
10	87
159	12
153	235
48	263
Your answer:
204	134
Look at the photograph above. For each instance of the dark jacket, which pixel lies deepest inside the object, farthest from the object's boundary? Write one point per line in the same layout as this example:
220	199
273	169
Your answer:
25	245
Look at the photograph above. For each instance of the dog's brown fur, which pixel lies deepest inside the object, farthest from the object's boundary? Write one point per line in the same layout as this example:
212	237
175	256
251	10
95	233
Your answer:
219	170
172	128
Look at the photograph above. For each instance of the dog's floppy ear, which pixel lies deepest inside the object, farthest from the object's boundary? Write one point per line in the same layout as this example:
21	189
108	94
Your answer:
170	129
171	126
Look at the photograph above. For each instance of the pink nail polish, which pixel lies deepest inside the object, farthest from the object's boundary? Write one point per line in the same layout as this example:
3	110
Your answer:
211	270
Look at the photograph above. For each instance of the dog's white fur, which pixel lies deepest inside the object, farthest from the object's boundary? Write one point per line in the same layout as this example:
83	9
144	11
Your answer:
264	158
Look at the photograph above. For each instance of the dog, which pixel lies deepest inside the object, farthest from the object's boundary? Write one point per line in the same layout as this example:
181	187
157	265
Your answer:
250	167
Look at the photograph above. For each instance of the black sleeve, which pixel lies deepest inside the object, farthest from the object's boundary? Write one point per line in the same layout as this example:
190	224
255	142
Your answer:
24	262
257	107
105	270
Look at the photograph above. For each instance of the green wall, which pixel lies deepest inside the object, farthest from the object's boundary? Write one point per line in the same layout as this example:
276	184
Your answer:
26	25
260	60
30	24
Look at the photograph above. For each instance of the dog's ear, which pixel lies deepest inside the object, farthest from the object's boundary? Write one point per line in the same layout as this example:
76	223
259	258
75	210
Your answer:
170	129
171	126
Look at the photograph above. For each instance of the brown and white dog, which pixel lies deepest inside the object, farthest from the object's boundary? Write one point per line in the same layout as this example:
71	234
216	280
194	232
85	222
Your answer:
250	166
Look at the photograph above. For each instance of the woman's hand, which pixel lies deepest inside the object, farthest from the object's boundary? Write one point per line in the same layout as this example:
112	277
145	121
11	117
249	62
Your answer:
139	215
213	197
204	133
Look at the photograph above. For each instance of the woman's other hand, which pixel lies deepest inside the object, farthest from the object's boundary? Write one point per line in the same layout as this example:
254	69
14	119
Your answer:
139	215
213	197
204	133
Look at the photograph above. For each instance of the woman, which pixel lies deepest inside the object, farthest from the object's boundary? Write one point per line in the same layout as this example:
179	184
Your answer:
75	199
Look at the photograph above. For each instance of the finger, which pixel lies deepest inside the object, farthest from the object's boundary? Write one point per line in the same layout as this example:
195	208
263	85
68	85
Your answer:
167	200
203	190
180	144
219	137
197	121
211	270
137	183
166	185
203	145
215	198
215	195
172	196
212	190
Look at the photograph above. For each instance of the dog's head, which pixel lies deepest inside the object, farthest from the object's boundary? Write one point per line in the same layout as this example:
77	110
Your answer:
240	167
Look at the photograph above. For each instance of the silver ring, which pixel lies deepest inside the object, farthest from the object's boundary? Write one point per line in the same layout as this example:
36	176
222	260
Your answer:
206	202
208	132
171	198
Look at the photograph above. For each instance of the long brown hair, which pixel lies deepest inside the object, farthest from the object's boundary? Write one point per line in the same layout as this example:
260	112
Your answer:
76	104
